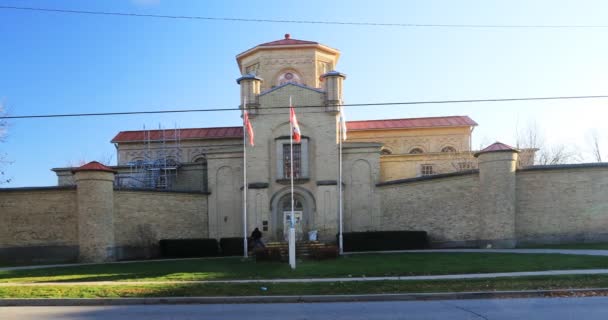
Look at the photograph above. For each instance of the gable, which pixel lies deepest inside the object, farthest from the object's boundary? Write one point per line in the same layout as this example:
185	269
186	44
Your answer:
278	97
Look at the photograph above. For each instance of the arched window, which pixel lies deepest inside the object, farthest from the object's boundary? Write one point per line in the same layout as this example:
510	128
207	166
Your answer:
448	149
386	151
416	151
204	175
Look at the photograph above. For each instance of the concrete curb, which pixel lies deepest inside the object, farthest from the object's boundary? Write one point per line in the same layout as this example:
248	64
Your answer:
300	299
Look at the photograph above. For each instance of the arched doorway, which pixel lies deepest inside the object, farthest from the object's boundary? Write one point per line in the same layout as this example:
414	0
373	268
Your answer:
304	208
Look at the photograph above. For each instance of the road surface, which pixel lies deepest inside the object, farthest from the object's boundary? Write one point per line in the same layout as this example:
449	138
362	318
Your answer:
537	308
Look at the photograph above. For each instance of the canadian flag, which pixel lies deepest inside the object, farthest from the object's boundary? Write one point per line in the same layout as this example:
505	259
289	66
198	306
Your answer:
248	127
297	137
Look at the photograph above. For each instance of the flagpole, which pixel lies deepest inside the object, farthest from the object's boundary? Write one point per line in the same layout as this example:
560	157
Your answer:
340	201
245	246
292	231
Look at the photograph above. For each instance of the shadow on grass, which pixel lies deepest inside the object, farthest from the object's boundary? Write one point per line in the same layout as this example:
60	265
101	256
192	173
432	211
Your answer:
402	264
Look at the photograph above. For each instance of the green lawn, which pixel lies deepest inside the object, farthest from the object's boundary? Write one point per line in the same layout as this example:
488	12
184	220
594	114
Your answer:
346	266
375	287
576	246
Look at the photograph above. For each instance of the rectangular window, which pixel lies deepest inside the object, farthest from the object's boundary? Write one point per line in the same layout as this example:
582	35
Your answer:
426	170
466	165
297	161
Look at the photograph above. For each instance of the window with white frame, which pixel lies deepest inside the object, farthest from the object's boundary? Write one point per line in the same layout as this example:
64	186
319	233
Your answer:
426	170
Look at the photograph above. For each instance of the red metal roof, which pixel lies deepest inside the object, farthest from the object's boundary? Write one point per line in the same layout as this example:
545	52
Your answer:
237	132
184	134
286	42
94	166
496	147
452	121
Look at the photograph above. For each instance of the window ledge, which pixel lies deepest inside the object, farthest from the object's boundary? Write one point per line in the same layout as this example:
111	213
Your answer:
295	181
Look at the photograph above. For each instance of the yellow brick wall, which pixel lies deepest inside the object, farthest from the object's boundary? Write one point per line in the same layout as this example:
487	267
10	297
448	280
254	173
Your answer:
143	218
447	208
565	205
38	218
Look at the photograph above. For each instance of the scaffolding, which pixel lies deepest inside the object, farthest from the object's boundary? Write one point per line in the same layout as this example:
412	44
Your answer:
162	156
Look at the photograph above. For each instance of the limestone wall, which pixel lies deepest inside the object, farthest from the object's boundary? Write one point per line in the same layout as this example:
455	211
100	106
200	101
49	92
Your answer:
142	218
447	208
566	204
38	224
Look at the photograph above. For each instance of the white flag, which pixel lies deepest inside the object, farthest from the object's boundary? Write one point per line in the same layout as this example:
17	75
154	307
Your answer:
342	126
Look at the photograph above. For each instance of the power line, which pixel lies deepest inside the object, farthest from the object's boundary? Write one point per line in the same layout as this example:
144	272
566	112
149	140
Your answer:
404	103
324	22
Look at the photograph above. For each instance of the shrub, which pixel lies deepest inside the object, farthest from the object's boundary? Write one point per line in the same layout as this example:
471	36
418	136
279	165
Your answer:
232	246
186	248
323	253
385	240
268	254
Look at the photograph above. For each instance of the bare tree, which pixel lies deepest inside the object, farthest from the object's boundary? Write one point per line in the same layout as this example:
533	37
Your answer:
105	159
532	143
595	145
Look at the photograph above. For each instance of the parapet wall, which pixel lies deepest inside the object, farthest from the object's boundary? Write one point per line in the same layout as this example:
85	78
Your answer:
142	218
447	207
552	204
38	225
42	224
567	203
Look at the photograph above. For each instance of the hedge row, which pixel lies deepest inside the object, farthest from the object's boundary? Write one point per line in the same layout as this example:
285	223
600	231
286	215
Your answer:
384	240
188	248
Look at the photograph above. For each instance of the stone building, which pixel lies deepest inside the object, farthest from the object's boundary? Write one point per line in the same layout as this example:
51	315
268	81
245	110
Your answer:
211	159
398	174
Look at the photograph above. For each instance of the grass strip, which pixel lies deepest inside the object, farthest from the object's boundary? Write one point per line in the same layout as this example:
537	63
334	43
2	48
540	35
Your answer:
372	287
397	264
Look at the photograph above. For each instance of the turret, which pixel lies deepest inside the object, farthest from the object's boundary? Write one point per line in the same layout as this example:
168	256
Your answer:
333	90
250	91
95	190
497	165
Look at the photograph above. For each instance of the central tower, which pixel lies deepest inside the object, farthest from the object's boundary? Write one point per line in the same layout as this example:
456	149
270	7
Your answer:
272	74
288	60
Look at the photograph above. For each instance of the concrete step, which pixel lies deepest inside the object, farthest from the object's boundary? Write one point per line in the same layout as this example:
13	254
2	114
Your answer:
302	247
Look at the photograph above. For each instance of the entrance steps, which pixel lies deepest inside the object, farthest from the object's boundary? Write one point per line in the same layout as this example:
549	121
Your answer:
302	247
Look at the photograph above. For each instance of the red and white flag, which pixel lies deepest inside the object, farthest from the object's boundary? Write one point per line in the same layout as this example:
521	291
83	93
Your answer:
248	127
297	137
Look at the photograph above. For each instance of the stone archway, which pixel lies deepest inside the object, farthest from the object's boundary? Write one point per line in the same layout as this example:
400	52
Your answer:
304	207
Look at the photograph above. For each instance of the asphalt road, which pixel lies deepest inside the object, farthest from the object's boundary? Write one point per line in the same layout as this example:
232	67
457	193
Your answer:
537	308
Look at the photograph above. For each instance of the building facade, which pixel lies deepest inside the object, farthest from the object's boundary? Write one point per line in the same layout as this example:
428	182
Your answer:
398	174
273	74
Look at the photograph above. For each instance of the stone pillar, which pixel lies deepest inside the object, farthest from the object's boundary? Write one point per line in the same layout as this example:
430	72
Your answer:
497	165
95	194
250	91
333	90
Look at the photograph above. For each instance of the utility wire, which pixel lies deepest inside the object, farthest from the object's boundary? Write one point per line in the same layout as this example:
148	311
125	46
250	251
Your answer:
324	22
405	103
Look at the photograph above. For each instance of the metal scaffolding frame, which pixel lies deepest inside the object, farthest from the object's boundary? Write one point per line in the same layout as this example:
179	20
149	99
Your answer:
159	167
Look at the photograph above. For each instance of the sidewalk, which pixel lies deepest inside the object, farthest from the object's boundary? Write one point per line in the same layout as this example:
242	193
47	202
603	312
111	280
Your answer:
321	280
584	252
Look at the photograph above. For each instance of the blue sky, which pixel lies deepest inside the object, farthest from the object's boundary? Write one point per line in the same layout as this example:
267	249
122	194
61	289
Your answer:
67	63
